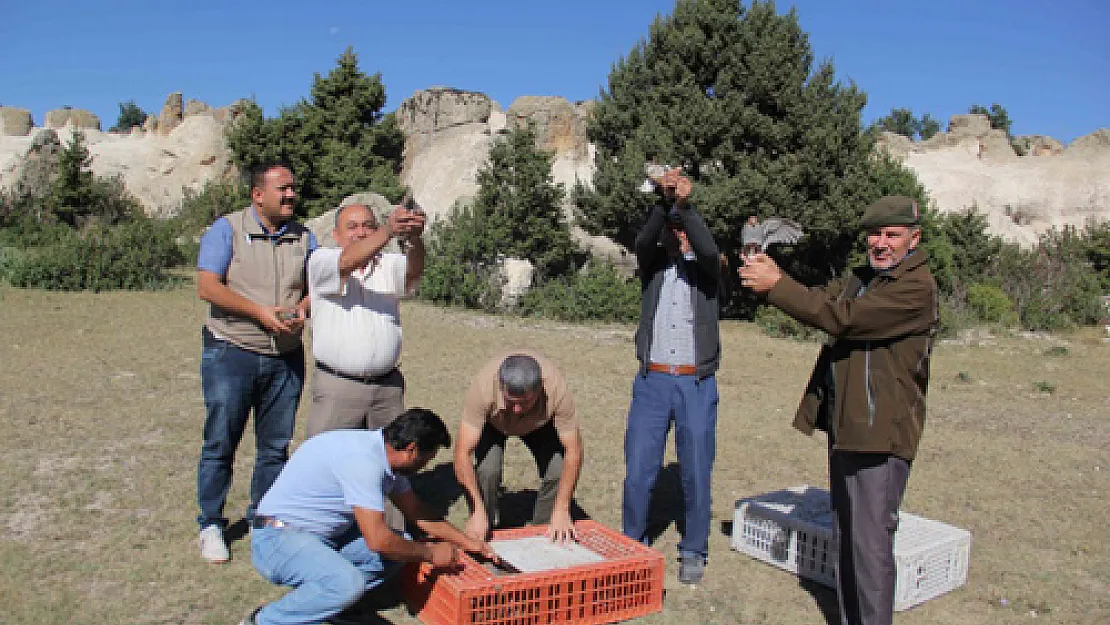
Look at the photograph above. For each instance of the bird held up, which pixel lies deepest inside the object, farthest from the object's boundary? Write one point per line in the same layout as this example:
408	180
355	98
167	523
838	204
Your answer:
756	236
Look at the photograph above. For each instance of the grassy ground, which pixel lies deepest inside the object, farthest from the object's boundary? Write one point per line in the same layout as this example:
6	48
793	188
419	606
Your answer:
101	410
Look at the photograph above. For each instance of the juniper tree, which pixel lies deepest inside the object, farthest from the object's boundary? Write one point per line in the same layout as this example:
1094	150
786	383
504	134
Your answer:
732	94
517	213
338	142
130	115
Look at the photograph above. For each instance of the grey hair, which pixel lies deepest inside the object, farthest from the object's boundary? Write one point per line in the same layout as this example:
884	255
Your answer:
342	207
520	374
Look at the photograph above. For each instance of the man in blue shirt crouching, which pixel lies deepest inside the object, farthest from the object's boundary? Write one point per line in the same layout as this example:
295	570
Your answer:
321	528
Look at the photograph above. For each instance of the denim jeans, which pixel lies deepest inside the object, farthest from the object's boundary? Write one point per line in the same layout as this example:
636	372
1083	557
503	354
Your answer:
326	576
657	400
235	382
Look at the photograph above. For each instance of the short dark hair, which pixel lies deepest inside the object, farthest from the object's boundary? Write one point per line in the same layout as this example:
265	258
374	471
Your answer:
420	426
257	175
520	374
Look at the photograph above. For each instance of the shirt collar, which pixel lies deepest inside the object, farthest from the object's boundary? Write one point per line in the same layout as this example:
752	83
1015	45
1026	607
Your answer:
280	231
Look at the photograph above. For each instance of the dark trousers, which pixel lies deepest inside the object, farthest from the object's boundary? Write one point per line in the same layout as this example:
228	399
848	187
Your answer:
867	491
489	458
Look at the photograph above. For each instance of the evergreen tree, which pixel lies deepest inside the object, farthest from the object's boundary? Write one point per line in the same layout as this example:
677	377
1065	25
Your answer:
72	194
904	122
516	214
130	115
358	147
338	143
522	206
999	118
927	127
732	95
900	122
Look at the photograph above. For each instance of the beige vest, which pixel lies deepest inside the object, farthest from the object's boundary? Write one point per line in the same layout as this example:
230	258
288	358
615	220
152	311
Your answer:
267	270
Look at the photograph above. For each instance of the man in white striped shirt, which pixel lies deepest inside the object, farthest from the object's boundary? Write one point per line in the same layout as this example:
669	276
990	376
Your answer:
356	323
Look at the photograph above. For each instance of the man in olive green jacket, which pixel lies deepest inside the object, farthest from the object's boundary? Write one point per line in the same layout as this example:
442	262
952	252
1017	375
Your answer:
867	391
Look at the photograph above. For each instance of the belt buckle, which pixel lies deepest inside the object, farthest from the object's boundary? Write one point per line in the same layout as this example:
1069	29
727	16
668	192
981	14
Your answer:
672	369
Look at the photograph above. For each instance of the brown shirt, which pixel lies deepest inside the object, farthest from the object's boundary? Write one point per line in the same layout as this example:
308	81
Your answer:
484	402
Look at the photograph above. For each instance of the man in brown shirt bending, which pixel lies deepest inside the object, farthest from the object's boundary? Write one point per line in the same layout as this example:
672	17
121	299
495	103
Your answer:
519	393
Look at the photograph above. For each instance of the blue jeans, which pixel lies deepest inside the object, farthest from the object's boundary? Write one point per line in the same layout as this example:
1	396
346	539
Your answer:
657	400
326	576
235	382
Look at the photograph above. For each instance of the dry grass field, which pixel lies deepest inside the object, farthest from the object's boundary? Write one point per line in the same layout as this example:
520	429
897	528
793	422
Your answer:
101	412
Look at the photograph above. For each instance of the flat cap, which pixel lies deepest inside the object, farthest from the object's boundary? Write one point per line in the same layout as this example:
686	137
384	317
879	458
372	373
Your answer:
891	210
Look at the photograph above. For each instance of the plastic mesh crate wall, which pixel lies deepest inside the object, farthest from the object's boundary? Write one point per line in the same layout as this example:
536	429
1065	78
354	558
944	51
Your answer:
628	584
792	529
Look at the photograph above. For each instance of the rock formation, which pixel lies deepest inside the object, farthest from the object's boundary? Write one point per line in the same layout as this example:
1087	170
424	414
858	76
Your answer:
973	165
157	166
74	118
449	133
14	122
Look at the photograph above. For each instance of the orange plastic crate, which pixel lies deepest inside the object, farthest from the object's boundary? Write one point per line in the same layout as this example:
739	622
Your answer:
629	583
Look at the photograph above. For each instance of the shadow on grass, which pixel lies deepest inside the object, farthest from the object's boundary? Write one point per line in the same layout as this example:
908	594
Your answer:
438	489
365	611
823	596
237	531
516	509
666	506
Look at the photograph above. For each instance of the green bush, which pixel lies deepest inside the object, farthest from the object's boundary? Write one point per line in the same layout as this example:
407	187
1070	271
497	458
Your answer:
778	324
1053	285
597	292
135	255
954	317
991	304
200	209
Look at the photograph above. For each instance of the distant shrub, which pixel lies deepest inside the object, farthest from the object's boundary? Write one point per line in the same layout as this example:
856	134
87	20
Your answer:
200	209
778	324
135	255
991	304
597	292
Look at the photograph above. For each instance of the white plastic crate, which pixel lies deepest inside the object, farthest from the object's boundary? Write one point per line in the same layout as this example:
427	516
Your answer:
792	529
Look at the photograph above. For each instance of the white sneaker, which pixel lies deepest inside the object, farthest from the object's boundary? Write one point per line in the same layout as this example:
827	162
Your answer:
212	545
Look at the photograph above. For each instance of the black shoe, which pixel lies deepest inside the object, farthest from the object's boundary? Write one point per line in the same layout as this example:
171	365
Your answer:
691	569
250	620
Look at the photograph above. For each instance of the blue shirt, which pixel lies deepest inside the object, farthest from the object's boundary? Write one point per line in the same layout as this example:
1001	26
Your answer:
215	244
327	476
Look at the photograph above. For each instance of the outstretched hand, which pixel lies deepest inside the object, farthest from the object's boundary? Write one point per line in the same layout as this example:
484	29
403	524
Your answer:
759	272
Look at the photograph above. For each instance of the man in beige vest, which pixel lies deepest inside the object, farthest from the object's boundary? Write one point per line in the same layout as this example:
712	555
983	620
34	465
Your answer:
251	271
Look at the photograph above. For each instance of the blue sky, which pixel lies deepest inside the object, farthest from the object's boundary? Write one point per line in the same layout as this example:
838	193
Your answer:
1046	62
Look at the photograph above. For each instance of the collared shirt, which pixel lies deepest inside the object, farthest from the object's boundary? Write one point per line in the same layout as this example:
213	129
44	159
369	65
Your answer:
356	323
215	244
484	402
672	337
328	475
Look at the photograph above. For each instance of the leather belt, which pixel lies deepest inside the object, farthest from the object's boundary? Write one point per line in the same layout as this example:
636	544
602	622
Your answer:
259	522
364	379
673	369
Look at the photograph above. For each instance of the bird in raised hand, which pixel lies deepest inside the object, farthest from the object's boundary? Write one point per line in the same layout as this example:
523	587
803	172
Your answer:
756	236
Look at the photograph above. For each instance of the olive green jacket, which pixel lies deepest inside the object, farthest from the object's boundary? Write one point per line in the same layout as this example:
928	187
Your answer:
868	386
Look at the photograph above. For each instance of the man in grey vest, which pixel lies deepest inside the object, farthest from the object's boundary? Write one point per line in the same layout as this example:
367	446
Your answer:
251	271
